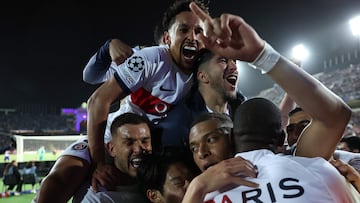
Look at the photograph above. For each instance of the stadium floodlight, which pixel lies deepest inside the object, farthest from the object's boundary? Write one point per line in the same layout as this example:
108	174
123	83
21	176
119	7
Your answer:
355	26
299	52
84	105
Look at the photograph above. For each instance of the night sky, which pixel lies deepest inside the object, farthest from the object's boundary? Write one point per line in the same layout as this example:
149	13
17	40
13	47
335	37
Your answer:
46	44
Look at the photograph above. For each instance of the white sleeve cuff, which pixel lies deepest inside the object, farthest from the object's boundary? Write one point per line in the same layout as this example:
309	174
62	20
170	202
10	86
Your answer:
266	60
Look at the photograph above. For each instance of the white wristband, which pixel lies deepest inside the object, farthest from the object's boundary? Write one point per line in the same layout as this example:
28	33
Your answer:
266	60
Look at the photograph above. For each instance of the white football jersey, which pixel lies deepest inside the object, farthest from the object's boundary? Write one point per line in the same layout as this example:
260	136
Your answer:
290	179
156	83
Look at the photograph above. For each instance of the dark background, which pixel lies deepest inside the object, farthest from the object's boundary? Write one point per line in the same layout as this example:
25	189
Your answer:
46	44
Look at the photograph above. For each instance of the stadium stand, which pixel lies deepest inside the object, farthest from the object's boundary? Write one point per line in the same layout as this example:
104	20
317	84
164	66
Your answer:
344	82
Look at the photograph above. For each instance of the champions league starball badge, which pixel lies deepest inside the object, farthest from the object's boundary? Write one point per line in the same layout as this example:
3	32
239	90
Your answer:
136	63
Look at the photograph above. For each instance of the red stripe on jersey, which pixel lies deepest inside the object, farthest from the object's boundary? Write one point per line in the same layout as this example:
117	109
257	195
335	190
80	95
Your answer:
149	103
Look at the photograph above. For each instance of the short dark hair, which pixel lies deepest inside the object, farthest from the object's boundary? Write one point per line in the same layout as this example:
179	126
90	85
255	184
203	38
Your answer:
177	7
128	118
353	142
222	117
258	120
151	174
203	56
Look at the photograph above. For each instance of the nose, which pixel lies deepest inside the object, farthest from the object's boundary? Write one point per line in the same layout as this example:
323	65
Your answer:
139	147
203	151
192	35
232	65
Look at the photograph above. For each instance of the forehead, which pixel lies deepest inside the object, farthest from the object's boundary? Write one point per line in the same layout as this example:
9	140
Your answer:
299	116
203	128
177	169
213	63
187	18
133	130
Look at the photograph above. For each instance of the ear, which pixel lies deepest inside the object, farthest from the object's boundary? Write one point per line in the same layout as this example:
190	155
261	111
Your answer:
163	40
107	146
153	195
110	148
166	38
202	77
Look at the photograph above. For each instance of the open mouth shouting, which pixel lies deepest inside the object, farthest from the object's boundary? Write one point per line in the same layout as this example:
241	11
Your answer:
189	52
232	80
136	162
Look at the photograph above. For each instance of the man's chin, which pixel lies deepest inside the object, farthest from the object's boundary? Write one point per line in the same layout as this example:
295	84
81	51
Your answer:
132	172
186	66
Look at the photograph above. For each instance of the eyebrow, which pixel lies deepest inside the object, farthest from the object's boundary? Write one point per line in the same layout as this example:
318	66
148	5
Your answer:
186	175
175	178
146	137
216	130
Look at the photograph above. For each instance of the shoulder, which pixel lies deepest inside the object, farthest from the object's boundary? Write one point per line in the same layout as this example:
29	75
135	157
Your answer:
149	58
345	155
121	196
92	197
153	52
78	149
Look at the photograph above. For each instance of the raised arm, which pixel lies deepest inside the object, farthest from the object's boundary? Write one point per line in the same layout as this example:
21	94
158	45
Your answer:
101	65
329	113
287	104
98	111
232	37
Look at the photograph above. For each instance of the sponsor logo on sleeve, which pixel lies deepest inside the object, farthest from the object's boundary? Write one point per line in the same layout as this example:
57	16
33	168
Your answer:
79	146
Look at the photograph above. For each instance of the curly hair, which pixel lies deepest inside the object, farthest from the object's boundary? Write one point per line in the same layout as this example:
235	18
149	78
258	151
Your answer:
177	7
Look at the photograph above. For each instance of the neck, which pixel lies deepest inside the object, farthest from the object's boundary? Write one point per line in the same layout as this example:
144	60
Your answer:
186	71
250	146
214	101
125	179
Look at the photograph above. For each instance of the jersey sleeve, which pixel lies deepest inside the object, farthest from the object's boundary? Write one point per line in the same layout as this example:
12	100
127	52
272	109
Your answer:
100	67
137	70
78	149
